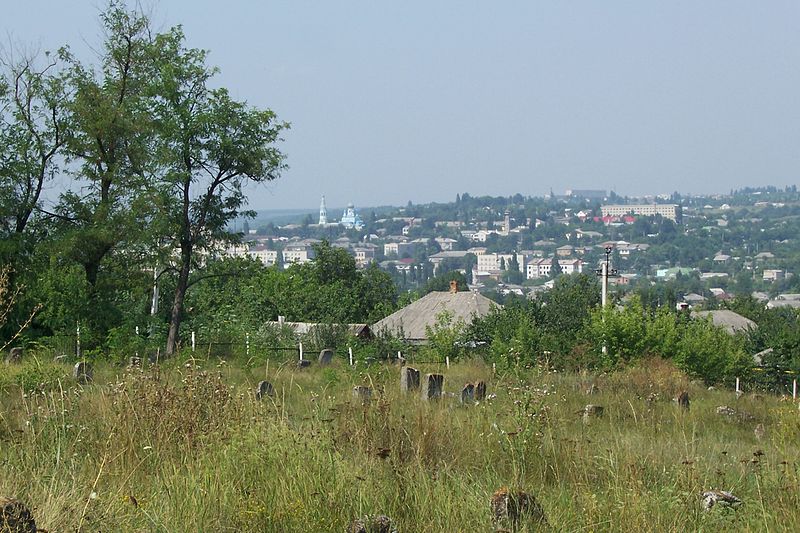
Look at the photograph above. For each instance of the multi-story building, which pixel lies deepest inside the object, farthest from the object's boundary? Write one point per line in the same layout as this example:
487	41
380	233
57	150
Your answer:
670	211
298	253
399	248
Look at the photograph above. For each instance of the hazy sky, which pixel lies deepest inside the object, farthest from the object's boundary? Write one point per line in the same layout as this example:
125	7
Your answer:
420	100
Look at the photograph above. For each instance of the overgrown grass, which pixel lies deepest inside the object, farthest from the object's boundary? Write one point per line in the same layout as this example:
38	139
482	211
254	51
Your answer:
186	447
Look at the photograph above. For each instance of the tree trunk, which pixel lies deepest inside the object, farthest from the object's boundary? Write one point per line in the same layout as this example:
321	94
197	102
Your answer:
177	302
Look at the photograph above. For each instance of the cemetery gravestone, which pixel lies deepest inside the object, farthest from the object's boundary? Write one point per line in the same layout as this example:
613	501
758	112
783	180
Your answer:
468	393
82	372
264	388
325	357
14	355
480	391
303	363
362	393
432	386
409	379
683	400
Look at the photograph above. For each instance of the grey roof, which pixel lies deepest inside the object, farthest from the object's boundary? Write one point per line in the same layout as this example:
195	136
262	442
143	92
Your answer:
730	321
411	321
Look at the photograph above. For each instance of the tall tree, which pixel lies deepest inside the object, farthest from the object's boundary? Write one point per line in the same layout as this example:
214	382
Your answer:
209	145
33	128
110	143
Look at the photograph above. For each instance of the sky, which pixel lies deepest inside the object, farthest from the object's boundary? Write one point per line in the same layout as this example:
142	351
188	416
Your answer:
391	102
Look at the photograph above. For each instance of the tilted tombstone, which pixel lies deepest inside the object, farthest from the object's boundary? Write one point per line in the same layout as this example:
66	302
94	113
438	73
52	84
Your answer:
468	393
134	362
264	388
480	391
82	372
409	379
432	386
303	363
325	357
362	393
14	355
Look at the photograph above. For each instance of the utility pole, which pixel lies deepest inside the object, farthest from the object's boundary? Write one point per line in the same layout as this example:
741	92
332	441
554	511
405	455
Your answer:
605	271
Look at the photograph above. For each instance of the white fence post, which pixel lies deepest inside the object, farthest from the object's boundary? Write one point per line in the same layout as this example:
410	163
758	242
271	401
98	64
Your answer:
447	360
350	351
737	385
78	340
301	351
247	344
794	389
193	341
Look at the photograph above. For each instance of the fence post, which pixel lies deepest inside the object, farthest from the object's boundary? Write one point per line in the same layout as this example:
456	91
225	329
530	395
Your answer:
78	340
301	351
447	361
193	342
737	385
794	389
247	344
350	351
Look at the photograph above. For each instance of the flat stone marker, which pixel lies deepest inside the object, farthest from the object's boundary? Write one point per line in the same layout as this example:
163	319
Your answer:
325	357
468	393
480	391
82	372
683	400
264	388
14	355
362	393
432	386
409	379
303	363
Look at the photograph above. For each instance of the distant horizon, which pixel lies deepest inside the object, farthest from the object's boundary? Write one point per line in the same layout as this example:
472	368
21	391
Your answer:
333	209
420	100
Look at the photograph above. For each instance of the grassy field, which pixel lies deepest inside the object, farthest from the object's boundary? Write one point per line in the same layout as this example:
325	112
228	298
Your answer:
186	447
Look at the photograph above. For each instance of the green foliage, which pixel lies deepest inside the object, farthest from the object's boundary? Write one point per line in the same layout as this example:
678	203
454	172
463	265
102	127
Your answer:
444	338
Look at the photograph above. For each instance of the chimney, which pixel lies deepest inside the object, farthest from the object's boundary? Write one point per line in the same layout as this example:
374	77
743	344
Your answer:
453	286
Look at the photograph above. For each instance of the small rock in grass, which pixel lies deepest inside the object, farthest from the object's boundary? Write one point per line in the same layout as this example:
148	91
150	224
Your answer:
15	517
372	524
719	497
511	508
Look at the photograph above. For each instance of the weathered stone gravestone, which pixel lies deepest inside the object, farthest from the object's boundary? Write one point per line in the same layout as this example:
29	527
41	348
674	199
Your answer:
82	372
372	524
511	509
325	357
432	386
15	517
592	411
760	432
409	379
303	363
364	394
264	388
135	362
480	391
683	400
14	355
468	393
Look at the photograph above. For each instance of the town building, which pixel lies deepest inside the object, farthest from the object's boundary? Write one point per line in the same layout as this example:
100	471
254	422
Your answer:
669	211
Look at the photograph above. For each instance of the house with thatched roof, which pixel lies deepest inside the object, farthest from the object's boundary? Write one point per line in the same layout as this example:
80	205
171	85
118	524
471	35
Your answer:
728	320
410	322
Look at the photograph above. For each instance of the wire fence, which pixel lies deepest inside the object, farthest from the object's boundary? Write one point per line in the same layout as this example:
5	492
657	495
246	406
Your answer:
771	379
